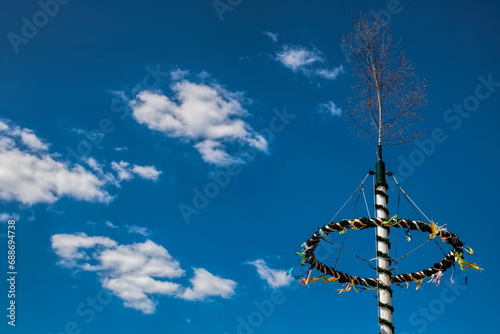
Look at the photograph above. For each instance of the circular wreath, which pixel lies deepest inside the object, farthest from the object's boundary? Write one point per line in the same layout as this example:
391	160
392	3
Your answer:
456	254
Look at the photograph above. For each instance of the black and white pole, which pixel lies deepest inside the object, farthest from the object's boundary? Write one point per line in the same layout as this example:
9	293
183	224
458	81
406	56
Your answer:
383	245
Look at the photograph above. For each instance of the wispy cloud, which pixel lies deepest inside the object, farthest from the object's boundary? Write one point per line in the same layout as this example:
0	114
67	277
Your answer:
301	59
5	217
138	230
329	109
330	74
272	36
127	171
110	224
274	277
298	58
132	229
136	272
205	114
178	74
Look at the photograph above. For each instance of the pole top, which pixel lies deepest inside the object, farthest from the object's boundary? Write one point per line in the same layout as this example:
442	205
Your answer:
380	167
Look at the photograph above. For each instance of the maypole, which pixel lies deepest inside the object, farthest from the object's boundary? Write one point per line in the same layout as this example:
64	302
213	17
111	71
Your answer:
388	93
383	245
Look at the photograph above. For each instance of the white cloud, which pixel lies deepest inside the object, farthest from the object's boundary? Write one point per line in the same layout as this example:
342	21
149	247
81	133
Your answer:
204	285
137	271
329	109
37	178
207	115
138	230
71	247
275	278
129	271
93	164
26	136
271	35
146	172
301	59
141	259
121	149
122	169
213	152
134	291
29	174
32	141
5	217
3	126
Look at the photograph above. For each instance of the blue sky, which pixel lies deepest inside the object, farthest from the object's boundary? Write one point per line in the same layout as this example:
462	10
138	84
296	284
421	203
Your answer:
165	160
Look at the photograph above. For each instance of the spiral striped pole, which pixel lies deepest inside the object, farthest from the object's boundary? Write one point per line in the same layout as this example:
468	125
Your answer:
383	245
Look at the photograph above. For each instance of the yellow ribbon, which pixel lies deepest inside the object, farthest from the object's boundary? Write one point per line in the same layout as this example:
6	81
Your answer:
331	279
469	250
466	264
434	229
348	288
315	279
363	225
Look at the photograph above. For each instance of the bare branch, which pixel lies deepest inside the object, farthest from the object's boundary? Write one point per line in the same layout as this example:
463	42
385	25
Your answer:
388	91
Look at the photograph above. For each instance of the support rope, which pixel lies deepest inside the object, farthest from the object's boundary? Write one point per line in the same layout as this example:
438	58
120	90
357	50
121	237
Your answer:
409	199
345	250
359	189
350	197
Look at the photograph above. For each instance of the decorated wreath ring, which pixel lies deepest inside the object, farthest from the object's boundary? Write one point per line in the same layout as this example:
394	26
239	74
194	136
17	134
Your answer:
456	254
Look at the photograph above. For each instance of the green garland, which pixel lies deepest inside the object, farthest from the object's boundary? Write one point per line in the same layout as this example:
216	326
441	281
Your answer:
383	208
387	323
382	193
387	306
